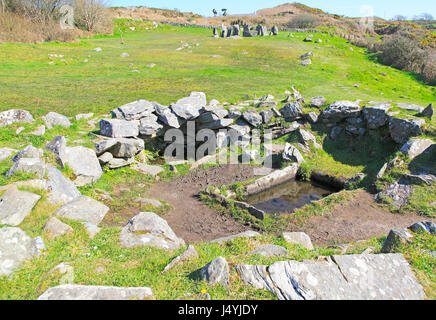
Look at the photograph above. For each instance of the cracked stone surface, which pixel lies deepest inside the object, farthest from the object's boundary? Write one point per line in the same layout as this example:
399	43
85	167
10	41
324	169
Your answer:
347	277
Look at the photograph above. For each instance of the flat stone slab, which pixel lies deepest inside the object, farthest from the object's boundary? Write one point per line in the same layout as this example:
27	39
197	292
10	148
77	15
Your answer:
14	115
148	169
83	209
15	248
247	234
56	228
275	178
347	277
148	229
16	205
82	292
61	189
270	250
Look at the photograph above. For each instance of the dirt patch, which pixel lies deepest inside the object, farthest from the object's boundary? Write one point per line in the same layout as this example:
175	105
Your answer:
191	219
358	219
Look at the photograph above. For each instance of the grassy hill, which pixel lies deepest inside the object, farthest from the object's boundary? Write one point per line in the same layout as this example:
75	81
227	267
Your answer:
225	69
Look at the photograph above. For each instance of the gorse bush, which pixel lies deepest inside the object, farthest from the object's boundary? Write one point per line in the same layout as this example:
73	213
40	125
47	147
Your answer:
39	20
304	21
402	53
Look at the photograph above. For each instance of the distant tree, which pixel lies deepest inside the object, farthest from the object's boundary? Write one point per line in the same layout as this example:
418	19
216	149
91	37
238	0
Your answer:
215	13
424	16
399	17
224	12
2	5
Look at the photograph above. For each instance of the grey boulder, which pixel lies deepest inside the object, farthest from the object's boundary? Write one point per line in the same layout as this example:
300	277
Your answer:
12	116
190	107
292	111
83	209
148	229
116	128
290	153
416	147
34	166
376	116
84	163
340	110
15	248
401	130
149	126
216	272
252	117
16	205
58	147
61	189
53	119
299	238
134	110
396	237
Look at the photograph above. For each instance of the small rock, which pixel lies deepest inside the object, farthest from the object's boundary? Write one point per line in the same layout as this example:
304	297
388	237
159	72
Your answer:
299	238
56	228
216	272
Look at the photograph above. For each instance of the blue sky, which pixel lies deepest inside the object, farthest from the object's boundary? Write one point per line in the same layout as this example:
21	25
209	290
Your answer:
382	8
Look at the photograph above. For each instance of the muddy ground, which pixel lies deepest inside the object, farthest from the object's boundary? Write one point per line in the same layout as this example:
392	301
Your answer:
358	219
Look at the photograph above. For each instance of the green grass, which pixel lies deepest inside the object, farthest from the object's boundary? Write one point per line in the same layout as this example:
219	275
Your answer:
271	66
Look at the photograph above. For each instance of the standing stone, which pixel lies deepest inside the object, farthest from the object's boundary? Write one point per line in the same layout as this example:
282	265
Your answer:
134	110
275	31
299	238
13	116
16	205
52	119
84	163
118	128
148	229
83	209
401	130
216	272
15	248
396	237
82	292
236	31
224	31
